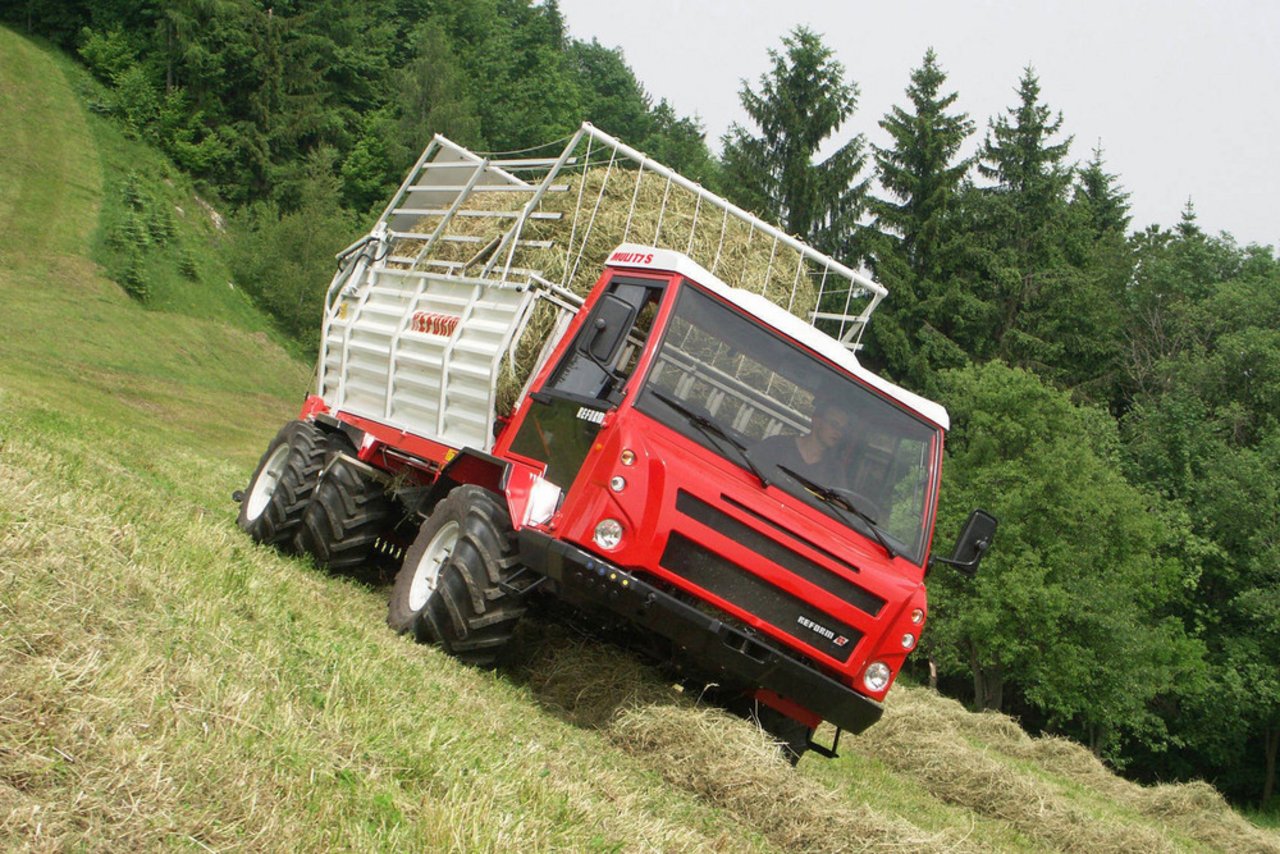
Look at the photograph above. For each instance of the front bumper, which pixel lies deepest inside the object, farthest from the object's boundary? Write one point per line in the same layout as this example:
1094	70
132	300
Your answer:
582	579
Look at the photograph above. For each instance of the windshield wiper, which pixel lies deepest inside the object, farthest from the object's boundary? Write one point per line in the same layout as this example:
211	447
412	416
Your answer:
711	430
836	497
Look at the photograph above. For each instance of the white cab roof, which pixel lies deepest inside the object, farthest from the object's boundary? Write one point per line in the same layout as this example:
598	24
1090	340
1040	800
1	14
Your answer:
637	256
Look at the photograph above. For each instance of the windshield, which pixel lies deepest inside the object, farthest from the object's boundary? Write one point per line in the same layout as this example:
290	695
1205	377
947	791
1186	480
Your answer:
770	406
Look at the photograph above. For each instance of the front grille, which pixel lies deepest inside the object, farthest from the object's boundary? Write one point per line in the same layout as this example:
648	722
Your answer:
774	551
732	583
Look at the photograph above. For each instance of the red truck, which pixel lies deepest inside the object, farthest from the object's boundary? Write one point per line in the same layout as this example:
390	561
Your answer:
688	467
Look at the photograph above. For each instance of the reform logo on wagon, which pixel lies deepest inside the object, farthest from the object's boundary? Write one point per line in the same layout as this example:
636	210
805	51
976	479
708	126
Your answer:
433	323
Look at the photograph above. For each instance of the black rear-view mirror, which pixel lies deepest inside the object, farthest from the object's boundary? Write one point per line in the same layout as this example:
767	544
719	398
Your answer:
610	325
974	541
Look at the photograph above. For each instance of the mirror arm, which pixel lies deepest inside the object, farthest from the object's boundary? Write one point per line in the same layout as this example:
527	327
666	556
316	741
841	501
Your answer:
969	568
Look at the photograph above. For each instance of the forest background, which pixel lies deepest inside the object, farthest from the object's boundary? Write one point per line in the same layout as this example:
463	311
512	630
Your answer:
1115	394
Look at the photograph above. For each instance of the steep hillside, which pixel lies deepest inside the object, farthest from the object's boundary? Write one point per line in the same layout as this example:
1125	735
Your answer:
165	683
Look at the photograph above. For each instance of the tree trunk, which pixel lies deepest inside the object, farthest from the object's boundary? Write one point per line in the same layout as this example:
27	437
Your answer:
933	673
988	683
979	689
994	698
1097	733
1272	735
168	57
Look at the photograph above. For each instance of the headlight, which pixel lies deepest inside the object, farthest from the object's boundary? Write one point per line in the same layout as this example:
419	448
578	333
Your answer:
908	640
544	498
617	483
877	677
608	534
917	616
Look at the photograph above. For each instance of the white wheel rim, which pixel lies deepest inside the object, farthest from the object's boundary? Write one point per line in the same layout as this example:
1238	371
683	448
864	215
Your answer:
264	485
427	572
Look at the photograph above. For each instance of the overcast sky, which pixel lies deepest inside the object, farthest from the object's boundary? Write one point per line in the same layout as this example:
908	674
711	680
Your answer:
1183	95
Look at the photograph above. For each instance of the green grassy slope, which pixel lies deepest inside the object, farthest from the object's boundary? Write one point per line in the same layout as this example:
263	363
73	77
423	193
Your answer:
166	684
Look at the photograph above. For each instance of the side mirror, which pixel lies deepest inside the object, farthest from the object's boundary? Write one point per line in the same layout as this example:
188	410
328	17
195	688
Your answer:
609	328
974	541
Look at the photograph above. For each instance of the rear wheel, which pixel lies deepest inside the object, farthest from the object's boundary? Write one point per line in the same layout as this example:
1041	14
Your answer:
452	588
281	486
347	514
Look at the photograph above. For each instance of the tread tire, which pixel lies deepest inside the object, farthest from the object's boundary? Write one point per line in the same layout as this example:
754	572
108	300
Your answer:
468	611
294	458
347	514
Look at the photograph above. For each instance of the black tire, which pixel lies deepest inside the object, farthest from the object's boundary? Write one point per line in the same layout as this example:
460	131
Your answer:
451	588
347	514
274	502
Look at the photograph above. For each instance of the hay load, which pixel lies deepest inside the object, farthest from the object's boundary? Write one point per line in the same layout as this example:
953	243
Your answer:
594	210
585	216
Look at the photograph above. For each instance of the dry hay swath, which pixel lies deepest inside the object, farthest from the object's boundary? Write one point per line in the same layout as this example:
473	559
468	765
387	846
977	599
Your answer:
728	762
722	759
1196	808
583	681
600	209
956	755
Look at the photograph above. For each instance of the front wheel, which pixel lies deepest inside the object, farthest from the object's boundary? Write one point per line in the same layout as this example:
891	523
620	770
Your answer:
281	486
452	588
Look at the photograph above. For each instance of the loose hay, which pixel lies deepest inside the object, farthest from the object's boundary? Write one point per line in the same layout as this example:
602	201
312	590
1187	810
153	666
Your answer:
602	208
722	759
728	762
957	756
581	680
669	217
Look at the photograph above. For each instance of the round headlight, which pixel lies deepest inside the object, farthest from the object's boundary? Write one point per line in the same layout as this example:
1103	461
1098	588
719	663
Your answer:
908	640
917	616
608	533
628	457
877	677
617	483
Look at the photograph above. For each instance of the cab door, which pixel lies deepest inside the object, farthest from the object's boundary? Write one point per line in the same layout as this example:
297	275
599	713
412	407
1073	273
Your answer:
563	417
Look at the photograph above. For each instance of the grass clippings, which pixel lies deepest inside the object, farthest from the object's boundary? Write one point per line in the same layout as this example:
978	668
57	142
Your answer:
986	763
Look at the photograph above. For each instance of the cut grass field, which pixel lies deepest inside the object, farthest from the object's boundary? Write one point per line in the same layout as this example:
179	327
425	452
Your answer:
166	684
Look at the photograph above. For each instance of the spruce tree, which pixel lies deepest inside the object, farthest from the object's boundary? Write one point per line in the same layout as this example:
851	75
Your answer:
802	101
916	227
1105	205
1041	311
1028	171
921	169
